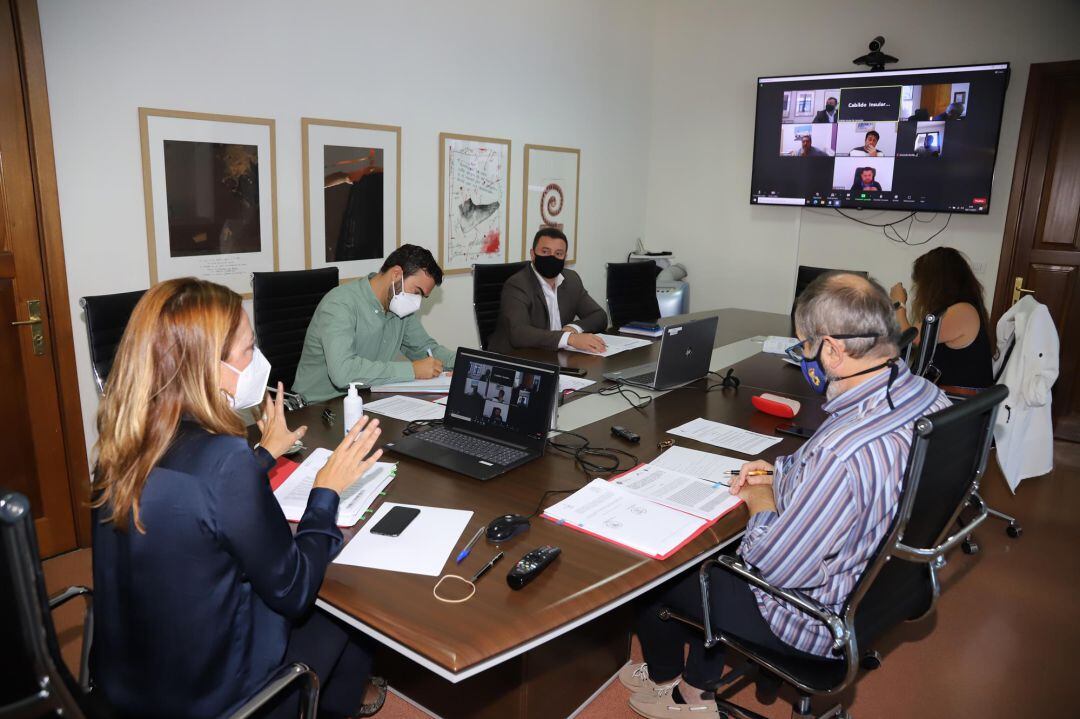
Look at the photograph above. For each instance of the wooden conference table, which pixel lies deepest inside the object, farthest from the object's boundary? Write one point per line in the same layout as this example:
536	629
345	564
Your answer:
545	650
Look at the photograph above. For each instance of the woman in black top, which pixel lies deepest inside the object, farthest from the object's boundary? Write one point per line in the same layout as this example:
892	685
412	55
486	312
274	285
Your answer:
943	283
201	590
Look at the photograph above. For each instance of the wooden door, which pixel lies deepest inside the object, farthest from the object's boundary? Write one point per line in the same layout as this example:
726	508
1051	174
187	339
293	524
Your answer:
34	422
1041	248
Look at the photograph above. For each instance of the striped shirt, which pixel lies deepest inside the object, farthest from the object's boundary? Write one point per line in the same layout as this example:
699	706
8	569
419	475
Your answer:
835	498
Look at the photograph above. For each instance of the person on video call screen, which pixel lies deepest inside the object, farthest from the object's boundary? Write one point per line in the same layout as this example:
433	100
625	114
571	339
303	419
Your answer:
864	180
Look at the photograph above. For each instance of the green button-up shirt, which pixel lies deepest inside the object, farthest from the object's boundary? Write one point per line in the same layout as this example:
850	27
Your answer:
351	338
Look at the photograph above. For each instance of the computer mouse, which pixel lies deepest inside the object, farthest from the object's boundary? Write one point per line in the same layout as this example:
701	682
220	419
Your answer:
509	525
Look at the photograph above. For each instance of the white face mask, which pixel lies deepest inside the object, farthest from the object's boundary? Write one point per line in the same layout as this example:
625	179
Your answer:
402	304
251	381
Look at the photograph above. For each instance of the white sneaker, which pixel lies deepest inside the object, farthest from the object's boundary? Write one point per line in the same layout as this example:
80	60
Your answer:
635	677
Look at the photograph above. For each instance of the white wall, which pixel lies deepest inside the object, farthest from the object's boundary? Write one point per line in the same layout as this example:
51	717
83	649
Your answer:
708	55
564	73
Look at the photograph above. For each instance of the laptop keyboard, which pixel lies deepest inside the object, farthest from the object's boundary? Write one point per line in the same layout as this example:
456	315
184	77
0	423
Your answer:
647	378
473	446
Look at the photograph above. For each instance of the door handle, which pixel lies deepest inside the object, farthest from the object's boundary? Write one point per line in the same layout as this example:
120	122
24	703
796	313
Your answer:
1018	289
36	325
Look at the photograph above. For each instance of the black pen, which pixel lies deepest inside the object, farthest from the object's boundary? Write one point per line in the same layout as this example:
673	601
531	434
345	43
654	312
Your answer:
484	569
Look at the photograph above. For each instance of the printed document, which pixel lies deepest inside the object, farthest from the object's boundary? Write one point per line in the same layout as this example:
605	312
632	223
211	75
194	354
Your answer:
407	409
703	465
422	548
614	513
726	436
293	493
435	385
708	500
566	382
615	345
778	345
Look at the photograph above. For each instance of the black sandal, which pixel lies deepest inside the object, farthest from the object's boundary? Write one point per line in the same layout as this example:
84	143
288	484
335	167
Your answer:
372	708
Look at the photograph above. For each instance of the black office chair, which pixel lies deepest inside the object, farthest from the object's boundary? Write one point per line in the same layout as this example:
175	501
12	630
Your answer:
631	292
948	456
804	277
283	304
106	319
488	281
36	682
924	358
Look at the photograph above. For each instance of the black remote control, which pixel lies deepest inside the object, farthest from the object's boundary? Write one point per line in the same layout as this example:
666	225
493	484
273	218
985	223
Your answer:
531	565
623	433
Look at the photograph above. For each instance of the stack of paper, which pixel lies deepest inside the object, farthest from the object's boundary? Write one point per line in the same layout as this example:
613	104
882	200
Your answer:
436	385
616	514
726	436
615	345
407	409
778	345
685	479
573	384
293	493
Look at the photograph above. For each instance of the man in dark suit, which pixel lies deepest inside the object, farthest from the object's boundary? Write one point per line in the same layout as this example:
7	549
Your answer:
541	302
829	113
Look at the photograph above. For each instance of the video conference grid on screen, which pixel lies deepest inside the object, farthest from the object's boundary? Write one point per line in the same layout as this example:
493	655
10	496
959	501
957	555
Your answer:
905	139
502	397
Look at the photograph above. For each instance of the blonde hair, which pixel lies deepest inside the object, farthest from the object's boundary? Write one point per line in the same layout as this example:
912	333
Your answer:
166	367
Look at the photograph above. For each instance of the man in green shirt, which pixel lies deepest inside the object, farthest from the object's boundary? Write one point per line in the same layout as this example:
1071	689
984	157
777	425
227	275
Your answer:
361	329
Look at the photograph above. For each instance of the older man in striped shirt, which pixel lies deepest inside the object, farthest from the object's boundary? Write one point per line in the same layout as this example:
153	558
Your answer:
815	523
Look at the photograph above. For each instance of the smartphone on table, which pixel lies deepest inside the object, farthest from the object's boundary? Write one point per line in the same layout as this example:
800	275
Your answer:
395	521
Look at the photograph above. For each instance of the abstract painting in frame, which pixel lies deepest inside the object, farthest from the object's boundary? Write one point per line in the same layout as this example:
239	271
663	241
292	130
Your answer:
210	189
550	195
352	194
474	193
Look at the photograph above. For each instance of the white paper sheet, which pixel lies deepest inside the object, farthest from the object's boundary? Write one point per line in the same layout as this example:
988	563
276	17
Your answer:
778	345
407	409
423	548
726	436
679	491
575	383
293	493
708	466
615	345
617	514
436	385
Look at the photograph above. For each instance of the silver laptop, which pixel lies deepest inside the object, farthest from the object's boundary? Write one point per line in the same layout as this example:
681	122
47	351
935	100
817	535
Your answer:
685	353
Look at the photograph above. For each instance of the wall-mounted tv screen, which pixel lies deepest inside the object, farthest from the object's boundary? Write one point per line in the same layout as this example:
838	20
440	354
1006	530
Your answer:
920	140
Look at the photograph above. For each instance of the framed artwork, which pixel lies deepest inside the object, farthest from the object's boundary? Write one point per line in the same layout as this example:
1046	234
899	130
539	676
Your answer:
210	187
474	194
550	195
352	194
959	96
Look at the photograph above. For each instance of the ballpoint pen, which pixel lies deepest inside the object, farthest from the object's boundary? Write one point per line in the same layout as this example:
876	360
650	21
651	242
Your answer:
468	547
751	473
484	569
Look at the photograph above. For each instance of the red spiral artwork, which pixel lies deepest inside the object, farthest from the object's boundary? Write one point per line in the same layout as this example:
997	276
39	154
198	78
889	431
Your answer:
551	206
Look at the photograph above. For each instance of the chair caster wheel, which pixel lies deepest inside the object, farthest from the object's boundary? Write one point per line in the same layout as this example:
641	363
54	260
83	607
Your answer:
969	546
1014	530
870	661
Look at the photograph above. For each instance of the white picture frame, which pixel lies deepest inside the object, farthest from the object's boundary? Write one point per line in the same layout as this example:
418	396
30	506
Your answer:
210	190
550	193
347	167
474	201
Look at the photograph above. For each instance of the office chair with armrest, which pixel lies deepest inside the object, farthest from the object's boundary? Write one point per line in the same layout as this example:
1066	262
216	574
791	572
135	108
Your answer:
106	319
488	281
904	344
36	682
807	274
283	304
926	368
948	455
631	292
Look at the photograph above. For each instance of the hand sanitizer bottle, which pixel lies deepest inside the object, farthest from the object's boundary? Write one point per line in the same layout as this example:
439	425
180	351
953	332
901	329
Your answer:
354	407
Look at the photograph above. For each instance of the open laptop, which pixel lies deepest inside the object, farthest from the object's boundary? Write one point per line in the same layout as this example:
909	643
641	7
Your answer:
497	416
685	353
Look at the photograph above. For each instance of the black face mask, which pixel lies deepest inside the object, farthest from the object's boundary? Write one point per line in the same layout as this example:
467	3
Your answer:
548	266
830	108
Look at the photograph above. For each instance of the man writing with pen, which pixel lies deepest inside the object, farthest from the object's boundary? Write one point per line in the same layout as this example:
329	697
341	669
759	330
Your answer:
816	516
369	331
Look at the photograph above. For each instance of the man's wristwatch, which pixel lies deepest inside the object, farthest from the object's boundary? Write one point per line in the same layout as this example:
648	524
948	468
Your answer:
896	306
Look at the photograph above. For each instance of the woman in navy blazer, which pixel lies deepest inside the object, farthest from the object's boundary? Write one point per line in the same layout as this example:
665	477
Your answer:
200	588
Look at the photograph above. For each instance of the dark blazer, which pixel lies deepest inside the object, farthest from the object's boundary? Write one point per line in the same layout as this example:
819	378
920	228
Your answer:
523	315
823	116
193	616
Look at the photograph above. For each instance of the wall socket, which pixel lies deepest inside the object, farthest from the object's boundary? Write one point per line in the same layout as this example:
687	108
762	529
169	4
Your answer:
978	268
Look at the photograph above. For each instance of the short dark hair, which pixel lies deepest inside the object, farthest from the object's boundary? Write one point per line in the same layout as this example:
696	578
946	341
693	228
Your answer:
833	99
549	232
874	133
411	259
873	170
